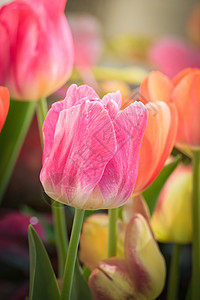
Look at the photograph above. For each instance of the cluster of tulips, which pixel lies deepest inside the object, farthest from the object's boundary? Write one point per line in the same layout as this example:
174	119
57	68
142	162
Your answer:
103	154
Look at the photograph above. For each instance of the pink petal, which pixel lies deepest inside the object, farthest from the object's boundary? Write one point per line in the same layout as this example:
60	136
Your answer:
116	97
120	175
49	128
79	154
76	95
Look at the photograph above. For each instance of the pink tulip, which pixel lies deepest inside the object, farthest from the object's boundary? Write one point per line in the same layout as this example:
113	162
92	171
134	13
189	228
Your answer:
36	56
91	149
171	55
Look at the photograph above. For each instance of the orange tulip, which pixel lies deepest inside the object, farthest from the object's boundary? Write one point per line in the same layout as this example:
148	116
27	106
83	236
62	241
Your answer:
156	87
4	105
186	96
158	141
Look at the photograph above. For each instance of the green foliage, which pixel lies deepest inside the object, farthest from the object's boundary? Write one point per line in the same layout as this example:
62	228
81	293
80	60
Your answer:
12	137
43	283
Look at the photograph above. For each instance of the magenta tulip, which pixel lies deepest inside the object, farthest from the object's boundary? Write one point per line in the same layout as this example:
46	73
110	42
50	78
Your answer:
91	149
36	56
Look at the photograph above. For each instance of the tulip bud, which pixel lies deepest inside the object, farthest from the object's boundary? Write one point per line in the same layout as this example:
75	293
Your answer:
140	275
172	218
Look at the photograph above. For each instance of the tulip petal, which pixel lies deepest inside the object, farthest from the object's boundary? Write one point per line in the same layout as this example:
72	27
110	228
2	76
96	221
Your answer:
4	105
158	141
186	97
49	127
144	260
176	197
76	95
136	204
94	240
120	174
111	281
116	97
80	153
156	87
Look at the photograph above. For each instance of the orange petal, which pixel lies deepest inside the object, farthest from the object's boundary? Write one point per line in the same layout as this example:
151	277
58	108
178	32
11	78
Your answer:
4	105
156	87
158	141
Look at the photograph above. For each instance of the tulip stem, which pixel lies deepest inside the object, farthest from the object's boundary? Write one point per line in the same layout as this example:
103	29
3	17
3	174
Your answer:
72	254
196	227
112	232
174	273
42	110
60	235
58	211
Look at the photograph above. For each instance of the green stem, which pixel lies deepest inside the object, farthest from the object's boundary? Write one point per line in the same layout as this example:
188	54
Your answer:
112	232
174	273
72	254
12	138
57	208
60	235
196	227
42	109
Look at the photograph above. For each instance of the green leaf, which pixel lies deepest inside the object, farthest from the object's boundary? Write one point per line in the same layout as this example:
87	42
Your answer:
43	284
12	137
80	289
152	192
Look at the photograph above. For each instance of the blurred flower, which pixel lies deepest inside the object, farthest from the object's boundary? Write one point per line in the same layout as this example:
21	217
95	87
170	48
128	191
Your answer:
172	55
15	225
172	218
186	96
91	149
139	274
87	37
4	105
158	141
37	55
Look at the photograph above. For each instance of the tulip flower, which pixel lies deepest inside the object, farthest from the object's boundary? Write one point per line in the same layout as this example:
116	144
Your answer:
4	105
138	274
157	143
172	218
91	149
37	55
186	96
